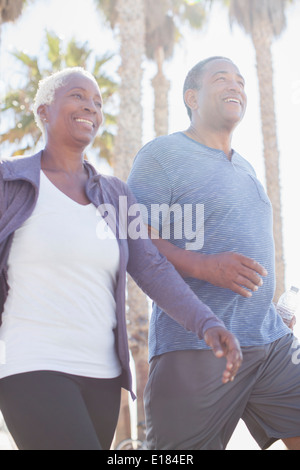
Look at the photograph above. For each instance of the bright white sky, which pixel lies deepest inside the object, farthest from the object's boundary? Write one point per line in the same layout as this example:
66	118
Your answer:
76	18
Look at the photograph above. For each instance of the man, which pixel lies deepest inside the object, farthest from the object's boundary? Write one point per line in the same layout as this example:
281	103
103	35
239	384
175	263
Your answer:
231	269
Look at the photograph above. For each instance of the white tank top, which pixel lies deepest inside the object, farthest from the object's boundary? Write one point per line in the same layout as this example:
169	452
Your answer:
60	311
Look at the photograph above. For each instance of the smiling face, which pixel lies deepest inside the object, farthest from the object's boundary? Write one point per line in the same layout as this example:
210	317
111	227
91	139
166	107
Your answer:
220	102
75	114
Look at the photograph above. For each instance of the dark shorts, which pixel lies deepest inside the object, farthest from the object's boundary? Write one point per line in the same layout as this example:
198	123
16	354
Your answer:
188	407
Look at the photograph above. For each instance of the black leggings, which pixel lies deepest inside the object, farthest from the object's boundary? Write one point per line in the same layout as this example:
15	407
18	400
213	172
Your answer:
55	411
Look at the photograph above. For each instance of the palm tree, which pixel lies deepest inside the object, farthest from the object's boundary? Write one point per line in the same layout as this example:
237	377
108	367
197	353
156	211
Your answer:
23	133
128	17
162	21
131	23
162	33
144	28
10	10
265	20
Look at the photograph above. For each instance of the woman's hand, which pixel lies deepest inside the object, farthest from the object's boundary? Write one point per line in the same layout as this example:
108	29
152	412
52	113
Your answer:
224	344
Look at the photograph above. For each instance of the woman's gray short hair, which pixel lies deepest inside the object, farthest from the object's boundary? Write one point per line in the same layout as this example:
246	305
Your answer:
48	86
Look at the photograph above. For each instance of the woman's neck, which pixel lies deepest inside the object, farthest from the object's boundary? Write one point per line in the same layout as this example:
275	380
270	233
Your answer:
61	159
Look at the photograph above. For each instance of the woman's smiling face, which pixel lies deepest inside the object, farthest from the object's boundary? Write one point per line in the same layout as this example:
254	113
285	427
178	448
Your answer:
75	114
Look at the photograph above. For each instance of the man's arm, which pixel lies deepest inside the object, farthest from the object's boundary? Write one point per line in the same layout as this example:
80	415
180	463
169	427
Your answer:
159	279
228	270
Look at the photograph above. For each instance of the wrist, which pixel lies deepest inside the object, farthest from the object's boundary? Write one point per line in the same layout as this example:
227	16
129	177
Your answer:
200	266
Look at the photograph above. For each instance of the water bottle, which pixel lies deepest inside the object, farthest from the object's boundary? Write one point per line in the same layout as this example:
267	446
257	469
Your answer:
287	304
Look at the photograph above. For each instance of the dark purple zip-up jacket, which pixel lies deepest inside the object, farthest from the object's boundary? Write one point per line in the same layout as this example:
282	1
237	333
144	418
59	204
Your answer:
19	189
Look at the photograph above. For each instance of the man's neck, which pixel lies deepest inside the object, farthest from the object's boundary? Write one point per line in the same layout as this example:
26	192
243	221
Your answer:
212	139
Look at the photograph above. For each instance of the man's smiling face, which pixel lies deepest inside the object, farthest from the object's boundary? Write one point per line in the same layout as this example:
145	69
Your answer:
221	97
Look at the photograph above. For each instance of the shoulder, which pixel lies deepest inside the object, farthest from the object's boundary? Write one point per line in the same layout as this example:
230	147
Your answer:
9	163
20	159
108	183
163	145
112	182
114	186
159	156
243	163
20	167
15	174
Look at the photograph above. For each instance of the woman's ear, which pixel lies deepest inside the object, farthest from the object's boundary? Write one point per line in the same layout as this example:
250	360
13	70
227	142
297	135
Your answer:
42	112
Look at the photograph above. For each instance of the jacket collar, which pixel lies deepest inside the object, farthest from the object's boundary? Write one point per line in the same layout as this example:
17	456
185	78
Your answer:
28	168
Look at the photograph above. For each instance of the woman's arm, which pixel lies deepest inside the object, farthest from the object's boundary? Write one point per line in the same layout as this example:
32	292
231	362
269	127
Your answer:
162	283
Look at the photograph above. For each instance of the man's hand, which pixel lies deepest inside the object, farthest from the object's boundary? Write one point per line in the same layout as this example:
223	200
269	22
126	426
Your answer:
229	270
290	323
224	344
233	271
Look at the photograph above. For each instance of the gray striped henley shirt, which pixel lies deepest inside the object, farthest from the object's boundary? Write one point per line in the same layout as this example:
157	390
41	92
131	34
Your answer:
224	206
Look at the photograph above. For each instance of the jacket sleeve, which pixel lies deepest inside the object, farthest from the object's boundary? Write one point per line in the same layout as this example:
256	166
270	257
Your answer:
162	283
1	192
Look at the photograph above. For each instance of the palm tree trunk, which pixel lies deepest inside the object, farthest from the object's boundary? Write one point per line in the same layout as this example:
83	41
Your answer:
262	36
128	142
161	88
138	325
129	137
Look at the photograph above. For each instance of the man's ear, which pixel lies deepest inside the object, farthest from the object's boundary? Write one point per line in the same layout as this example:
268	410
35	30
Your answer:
190	98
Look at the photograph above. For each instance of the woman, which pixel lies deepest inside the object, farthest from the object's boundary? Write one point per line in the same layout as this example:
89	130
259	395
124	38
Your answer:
63	275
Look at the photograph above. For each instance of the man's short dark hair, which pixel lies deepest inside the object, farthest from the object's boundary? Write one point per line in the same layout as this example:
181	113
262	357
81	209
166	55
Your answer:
193	78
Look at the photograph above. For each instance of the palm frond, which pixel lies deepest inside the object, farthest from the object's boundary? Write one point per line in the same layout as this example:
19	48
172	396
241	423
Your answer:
16	105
